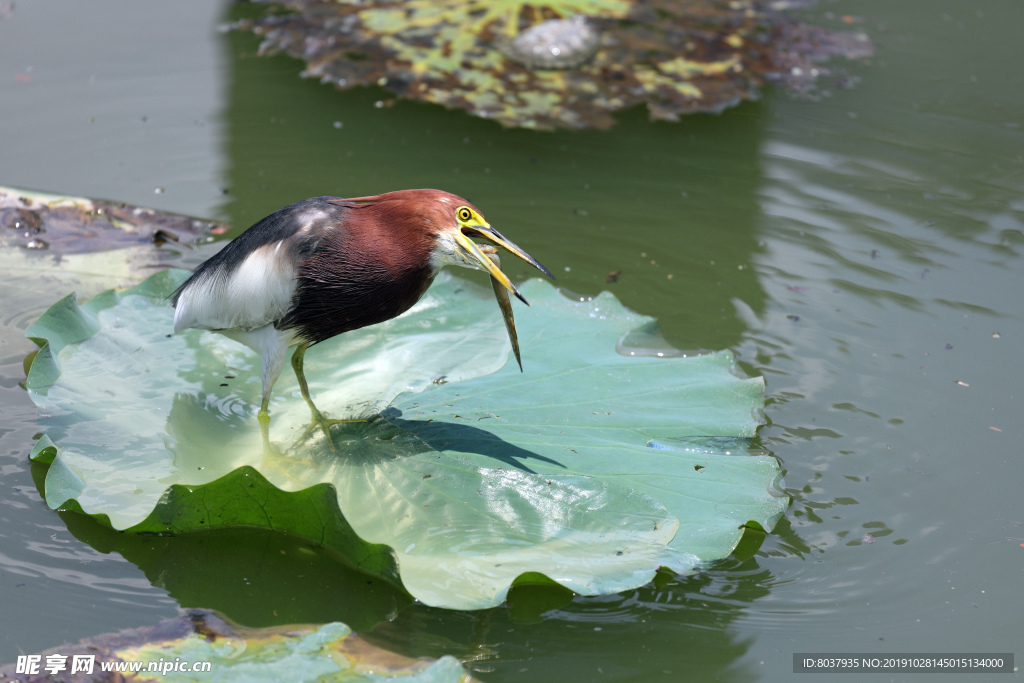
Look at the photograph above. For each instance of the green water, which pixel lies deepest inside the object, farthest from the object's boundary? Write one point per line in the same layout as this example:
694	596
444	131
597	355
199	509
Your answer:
862	252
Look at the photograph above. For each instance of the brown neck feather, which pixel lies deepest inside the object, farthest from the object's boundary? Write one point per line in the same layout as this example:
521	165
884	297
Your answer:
371	267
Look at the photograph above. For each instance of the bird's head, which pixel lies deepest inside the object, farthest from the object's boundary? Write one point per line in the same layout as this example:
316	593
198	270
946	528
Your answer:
450	224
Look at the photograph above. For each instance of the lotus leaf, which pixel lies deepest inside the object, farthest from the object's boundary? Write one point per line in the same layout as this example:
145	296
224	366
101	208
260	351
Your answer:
326	653
51	244
593	467
675	56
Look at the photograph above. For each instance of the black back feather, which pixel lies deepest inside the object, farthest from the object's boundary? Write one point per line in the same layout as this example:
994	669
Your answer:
278	226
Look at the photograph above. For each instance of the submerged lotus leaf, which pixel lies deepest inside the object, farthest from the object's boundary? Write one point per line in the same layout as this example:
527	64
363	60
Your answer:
536	65
326	653
52	244
593	467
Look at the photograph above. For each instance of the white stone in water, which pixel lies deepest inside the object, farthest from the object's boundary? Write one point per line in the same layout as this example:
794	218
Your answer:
555	44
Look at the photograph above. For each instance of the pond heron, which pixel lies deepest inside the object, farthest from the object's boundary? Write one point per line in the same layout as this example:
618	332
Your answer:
327	265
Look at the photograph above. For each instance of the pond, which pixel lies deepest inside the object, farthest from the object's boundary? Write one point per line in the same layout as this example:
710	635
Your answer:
860	250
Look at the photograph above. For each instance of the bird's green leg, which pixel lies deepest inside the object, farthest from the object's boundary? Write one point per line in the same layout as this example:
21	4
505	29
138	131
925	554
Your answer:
263	416
264	419
297	358
318	418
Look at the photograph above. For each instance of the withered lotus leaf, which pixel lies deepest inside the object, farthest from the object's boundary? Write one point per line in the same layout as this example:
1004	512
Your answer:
561	63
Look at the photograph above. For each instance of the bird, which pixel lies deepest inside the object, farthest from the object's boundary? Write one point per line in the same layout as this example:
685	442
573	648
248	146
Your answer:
329	265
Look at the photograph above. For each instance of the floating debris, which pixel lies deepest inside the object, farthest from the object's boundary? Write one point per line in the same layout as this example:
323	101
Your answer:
560	63
554	44
74	225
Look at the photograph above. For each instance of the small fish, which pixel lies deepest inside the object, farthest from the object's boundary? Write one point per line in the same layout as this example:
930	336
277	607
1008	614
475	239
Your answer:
505	304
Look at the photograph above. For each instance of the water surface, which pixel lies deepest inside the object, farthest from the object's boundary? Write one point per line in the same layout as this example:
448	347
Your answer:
861	251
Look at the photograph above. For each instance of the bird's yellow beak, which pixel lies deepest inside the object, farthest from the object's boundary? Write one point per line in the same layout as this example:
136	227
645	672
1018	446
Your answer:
487	232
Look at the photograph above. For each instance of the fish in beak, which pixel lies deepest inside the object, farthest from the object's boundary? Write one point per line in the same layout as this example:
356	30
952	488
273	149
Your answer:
477	253
487	256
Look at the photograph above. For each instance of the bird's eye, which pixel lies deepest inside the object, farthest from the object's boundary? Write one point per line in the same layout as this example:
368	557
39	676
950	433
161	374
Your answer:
464	213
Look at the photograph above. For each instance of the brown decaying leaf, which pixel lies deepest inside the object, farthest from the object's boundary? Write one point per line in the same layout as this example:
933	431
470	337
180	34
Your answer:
73	225
675	56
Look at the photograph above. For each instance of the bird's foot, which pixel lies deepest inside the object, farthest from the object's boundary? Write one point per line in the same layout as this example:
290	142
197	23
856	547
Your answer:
271	454
324	424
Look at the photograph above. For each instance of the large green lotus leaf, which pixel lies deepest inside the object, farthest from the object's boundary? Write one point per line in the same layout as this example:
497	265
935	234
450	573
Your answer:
666	427
473	475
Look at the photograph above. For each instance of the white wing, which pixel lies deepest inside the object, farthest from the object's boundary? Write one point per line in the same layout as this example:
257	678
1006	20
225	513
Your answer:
250	283
258	292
